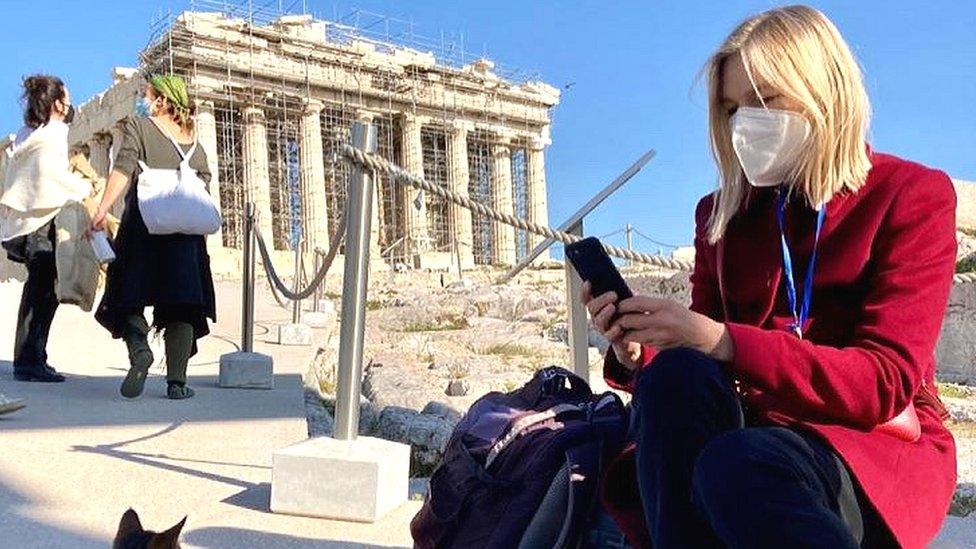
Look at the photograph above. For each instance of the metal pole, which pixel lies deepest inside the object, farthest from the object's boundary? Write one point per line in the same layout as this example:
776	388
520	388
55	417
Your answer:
318	289
457	256
581	213
354	281
296	305
247	300
630	241
577	327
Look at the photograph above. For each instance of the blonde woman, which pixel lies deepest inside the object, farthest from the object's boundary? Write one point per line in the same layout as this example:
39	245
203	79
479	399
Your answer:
170	273
794	404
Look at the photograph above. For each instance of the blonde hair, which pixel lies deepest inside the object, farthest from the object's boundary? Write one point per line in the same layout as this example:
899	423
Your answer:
798	52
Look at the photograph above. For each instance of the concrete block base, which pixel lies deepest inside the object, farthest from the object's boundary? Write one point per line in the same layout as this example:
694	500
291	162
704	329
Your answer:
435	261
294	334
240	370
324	306
359	480
317	319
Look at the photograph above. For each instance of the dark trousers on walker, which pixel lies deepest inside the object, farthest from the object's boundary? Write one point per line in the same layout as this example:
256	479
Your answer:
709	478
38	304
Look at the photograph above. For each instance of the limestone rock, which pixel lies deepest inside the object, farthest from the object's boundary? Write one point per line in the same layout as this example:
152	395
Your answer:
956	348
320	414
457	387
427	435
963	501
559	332
396	384
960	409
443	411
318	418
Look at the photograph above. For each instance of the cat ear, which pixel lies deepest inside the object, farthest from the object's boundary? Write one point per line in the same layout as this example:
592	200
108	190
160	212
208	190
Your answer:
130	523
171	537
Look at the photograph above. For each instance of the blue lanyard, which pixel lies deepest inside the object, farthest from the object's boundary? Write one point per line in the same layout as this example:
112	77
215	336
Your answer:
799	317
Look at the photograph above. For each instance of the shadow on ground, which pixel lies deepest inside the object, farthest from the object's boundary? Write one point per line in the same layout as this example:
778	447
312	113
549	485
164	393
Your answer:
93	401
168	462
24	531
227	538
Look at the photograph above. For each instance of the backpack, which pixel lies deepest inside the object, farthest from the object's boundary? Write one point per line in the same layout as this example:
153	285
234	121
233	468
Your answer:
521	469
176	200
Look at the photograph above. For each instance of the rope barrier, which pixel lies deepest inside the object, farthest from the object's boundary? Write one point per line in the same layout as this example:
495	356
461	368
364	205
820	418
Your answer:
381	165
964	278
275	280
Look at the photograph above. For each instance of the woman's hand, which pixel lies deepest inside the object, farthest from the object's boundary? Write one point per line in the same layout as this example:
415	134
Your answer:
99	222
602	309
663	323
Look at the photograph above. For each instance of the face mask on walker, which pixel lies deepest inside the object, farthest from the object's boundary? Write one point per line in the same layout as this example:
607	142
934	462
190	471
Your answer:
768	143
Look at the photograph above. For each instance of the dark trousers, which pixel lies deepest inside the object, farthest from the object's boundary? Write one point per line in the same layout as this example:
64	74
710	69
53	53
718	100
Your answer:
177	338
709	479
38	304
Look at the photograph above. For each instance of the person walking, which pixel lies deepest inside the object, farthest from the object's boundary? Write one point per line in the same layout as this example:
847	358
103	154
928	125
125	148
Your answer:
794	403
169	272
37	183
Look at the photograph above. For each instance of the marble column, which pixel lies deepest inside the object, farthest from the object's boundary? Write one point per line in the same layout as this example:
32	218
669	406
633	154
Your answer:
460	217
314	207
257	181
99	153
206	124
537	201
415	219
502	235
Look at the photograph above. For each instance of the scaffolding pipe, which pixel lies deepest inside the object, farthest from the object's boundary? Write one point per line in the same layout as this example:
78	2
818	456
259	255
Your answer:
355	279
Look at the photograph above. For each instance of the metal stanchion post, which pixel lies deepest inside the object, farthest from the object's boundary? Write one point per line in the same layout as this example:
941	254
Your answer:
296	305
355	278
317	296
630	242
578	330
245	369
247	300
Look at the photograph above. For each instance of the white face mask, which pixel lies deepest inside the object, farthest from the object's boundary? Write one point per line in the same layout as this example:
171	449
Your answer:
768	143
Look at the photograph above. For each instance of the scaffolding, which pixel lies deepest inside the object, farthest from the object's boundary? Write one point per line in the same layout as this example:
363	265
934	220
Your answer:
520	198
276	57
433	140
479	189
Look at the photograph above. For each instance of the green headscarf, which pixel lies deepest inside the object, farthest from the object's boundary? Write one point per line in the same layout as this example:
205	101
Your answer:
173	88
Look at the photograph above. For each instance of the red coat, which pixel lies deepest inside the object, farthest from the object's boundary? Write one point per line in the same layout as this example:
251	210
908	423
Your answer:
884	270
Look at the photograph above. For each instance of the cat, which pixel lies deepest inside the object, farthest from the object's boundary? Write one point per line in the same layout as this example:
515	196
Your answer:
132	535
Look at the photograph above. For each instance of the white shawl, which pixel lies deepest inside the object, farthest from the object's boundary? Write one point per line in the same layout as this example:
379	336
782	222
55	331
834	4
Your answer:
37	181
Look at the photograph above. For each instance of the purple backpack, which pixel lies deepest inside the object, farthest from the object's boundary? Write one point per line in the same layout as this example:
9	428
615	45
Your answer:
521	468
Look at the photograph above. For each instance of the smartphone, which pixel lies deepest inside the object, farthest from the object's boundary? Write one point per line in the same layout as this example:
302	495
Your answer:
593	264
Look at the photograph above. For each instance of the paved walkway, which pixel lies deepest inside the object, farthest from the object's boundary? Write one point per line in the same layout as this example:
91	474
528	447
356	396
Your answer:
78	456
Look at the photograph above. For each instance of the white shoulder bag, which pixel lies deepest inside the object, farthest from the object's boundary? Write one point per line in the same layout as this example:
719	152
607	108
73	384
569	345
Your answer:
176	201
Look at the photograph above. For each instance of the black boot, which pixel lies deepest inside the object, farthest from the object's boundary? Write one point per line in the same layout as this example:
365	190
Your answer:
136	336
41	374
178	339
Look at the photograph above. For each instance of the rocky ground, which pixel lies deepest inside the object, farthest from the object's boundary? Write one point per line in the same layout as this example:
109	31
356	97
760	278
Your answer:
435	344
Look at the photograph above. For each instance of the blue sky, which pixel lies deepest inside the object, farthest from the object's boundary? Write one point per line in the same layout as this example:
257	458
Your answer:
632	66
